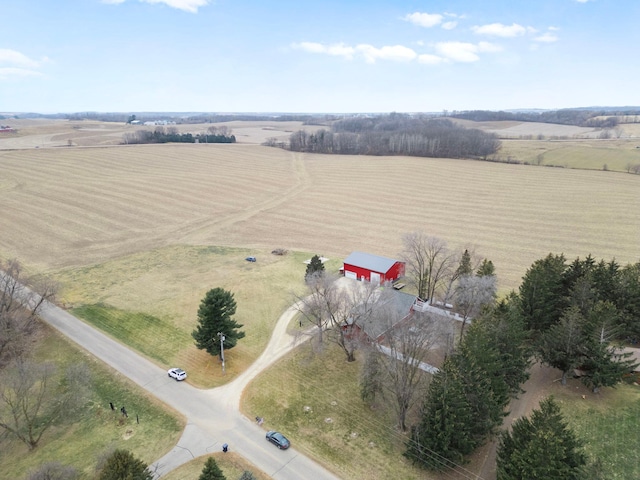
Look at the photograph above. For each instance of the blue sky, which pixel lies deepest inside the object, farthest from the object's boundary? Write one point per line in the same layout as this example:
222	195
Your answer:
330	56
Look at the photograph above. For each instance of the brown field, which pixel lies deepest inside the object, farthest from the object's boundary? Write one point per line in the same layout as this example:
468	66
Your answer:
42	133
65	207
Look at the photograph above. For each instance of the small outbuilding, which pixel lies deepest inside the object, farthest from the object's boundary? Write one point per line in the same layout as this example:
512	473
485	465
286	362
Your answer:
372	268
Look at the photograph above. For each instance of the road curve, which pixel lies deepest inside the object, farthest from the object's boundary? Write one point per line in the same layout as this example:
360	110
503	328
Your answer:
213	416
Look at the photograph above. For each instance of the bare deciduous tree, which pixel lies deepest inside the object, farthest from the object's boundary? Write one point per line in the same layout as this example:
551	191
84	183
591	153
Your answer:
19	307
337	308
429	263
33	398
403	373
472	293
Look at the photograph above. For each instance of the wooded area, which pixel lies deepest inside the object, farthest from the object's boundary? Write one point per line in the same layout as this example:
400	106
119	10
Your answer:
397	134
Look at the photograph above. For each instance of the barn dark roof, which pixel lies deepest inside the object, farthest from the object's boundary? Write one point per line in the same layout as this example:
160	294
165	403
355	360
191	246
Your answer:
371	262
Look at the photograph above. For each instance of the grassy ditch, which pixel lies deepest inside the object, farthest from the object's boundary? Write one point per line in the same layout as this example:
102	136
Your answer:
96	429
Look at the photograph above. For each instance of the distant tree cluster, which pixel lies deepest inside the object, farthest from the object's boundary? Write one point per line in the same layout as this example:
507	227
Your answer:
578	117
397	134
171	135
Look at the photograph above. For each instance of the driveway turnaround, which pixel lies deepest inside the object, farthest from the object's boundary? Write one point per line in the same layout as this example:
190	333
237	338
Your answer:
213	416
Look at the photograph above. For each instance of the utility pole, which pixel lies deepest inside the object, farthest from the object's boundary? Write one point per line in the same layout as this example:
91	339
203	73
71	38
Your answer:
222	338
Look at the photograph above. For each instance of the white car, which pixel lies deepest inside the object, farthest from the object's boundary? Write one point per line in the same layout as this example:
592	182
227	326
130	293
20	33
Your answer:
177	373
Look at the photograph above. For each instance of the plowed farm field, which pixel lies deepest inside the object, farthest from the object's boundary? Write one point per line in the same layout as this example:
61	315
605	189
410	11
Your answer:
76	206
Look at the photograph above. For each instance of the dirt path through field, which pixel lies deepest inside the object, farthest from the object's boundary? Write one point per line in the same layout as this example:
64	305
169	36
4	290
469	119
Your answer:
536	389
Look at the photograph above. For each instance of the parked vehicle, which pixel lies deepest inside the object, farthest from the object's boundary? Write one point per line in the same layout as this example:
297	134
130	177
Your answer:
278	440
177	373
250	259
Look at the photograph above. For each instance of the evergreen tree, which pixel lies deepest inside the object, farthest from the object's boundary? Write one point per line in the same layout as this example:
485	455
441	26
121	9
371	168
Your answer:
371	383
444	435
214	316
121	464
247	475
628	301
487	391
211	471
511	340
464	268
486	269
541	447
604	364
563	345
543	294
314	266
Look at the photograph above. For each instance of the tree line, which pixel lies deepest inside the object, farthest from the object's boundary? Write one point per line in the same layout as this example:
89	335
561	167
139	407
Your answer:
172	135
397	134
579	117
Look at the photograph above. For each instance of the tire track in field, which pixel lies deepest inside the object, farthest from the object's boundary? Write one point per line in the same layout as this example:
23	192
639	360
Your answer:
199	230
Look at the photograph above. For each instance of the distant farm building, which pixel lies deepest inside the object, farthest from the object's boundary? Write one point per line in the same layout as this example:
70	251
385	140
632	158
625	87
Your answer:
6	129
372	268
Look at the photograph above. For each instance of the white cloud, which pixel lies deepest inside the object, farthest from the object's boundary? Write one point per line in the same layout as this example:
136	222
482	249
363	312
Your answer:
500	30
338	49
426	20
370	53
190	6
14	57
429	59
10	72
398	53
449	25
547	37
463	51
582	1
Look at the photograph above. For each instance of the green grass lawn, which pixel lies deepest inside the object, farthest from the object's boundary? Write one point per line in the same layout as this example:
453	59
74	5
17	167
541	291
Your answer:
314	399
609	424
97	428
150	300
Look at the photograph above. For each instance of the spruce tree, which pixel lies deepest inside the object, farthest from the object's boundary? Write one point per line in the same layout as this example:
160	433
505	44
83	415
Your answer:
211	471
563	345
464	267
486	269
315	266
247	475
214	316
121	464
444	435
543	293
541	447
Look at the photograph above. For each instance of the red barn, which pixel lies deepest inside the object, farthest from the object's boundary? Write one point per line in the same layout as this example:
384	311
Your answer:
372	268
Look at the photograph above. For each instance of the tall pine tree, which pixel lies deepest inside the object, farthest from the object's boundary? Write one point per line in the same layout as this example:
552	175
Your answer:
214	316
541	447
211	471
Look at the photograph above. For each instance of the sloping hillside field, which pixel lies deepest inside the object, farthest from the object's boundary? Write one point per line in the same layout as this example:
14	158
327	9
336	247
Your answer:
69	207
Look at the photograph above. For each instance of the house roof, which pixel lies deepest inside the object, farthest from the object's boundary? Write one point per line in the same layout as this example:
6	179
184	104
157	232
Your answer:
398	307
371	262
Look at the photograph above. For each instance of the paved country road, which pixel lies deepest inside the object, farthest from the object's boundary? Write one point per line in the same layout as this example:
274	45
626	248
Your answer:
213	416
